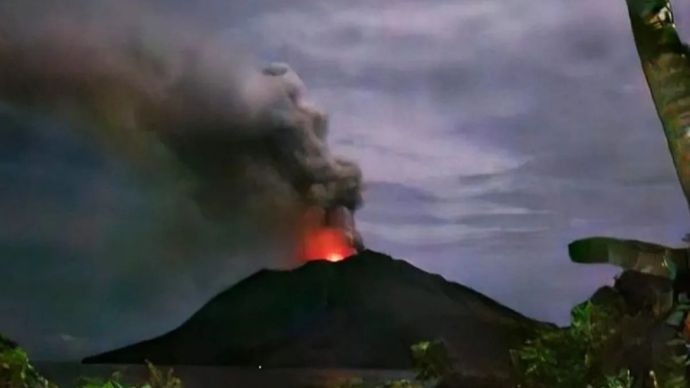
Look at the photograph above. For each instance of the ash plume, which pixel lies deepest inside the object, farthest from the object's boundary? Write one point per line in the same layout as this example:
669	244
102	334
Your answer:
147	164
238	140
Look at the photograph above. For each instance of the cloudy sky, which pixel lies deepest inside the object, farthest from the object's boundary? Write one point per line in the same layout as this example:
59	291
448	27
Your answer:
490	133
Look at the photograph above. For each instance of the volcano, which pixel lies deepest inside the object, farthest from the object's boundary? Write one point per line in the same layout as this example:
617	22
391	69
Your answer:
361	312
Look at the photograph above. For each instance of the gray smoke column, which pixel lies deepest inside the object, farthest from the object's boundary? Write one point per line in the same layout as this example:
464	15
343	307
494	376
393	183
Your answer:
341	218
241	141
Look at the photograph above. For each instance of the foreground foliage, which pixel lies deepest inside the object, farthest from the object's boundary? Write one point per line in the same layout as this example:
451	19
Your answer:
17	372
157	379
567	358
15	369
584	354
431	360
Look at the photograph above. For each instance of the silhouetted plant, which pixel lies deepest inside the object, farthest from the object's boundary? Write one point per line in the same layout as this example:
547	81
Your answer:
571	357
431	360
584	354
160	379
115	381
156	379
622	380
15	369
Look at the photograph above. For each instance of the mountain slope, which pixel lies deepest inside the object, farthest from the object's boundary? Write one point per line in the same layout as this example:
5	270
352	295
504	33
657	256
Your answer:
365	311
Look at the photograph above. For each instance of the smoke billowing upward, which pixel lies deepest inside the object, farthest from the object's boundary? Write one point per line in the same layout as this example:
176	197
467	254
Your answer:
240	141
149	162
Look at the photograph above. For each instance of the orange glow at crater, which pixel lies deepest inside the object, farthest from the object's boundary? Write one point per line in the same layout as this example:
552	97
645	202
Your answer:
319	242
334	257
326	244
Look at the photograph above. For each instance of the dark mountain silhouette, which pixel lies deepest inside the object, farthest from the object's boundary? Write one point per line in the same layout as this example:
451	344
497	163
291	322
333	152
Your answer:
363	312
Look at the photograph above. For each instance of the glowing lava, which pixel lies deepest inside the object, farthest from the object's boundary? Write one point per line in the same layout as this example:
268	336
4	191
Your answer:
323	242
326	244
334	257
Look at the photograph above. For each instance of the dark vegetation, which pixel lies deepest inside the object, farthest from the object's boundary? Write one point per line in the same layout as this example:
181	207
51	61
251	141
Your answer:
17	372
157	379
15	369
625	336
572	357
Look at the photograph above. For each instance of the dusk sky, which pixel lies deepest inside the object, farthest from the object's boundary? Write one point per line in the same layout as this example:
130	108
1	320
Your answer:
490	134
